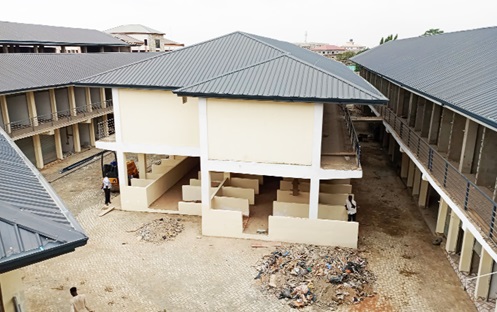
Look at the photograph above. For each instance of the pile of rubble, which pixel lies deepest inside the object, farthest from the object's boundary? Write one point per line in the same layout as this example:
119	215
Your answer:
325	276
160	230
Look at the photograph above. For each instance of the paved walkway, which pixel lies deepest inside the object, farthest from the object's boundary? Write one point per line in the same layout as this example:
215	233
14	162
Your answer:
195	273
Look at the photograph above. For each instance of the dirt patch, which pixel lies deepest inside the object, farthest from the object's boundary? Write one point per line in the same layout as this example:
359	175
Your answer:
407	273
160	230
305	275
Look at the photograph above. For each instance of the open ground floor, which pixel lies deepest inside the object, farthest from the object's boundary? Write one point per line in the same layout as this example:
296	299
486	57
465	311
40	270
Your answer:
118	272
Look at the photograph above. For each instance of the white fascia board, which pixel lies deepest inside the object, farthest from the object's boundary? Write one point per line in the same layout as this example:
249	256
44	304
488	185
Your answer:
109	146
160	149
328	174
468	224
277	170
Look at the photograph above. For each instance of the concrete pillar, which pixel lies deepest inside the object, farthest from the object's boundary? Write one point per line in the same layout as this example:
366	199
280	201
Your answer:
391	146
468	146
423	193
92	133
314	199
84	49
58	144
487	164
38	151
444	132
483	282
72	100
420	108
102	49
436	114
53	104
30	99
456	137
122	172
5	49
442	216
400	101
142	165
205	181
88	99
425	126
41	49
62	49
417	182
102	98
76	139
404	167
453	233
410	173
386	138
466	251
5	114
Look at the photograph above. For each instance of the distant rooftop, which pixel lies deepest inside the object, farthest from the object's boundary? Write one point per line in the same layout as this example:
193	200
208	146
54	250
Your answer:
29	34
328	47
133	29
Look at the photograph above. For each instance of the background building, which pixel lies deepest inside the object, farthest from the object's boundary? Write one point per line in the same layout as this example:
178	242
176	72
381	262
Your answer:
143	38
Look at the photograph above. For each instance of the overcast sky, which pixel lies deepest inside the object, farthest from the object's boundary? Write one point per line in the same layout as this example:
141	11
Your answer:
192	21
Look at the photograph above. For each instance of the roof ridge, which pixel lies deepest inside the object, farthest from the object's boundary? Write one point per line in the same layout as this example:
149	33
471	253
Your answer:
251	36
156	56
229	73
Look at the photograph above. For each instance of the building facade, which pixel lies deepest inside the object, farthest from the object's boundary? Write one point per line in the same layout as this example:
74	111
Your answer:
144	39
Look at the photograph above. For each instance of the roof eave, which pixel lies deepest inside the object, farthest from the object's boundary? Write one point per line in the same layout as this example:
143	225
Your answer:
117	85
35	257
57	43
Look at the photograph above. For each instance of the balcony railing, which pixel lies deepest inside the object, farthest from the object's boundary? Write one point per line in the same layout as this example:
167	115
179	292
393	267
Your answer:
354	140
53	119
463	192
105	128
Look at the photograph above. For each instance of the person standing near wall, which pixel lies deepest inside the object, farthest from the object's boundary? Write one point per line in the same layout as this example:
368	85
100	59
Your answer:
106	185
351	207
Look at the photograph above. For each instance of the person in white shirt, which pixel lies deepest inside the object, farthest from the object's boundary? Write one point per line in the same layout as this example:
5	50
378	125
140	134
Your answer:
78	302
351	207
106	185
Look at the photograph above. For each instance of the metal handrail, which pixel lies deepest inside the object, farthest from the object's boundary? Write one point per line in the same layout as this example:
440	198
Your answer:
463	191
51	118
354	139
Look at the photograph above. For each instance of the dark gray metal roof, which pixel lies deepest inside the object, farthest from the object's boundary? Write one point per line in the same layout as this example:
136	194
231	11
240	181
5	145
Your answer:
282	78
19	33
226	54
34	223
456	69
22	72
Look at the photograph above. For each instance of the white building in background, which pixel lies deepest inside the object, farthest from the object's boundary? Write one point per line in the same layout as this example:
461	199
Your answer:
352	46
143	38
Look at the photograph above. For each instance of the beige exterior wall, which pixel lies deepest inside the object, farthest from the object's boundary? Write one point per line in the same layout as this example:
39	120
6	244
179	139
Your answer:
158	118
249	130
11	287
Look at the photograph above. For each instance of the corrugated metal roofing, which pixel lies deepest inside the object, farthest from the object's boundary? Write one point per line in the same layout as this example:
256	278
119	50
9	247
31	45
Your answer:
133	29
456	69
282	78
223	55
19	33
36	70
34	223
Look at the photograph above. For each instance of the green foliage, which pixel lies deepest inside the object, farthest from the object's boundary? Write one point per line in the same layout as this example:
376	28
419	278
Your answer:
388	38
345	56
432	31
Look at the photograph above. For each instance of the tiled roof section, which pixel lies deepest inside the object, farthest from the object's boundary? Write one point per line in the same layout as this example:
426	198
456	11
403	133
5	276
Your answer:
226	54
191	64
133	29
34	223
31	71
283	78
18	33
455	69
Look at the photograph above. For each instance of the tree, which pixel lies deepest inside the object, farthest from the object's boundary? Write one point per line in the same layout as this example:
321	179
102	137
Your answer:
345	56
432	31
388	38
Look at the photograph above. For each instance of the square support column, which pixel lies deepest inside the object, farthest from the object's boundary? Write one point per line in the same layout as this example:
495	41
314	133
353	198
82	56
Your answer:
53	104
413	107
88	99
487	164
92	132
425	125
102	98
444	132
423	193
30	99
468	146
456	137
72	100
142	165
442	216
391	146
410	173
38	151
122	172
404	167
5	114
468	243
483	282
58	144
76	139
314	199
417	182
420	109
436	115
453	233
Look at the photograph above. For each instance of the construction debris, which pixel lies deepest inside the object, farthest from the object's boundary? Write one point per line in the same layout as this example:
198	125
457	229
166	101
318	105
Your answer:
160	230
303	275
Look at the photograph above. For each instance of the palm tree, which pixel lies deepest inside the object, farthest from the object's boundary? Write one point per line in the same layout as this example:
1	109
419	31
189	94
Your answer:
432	31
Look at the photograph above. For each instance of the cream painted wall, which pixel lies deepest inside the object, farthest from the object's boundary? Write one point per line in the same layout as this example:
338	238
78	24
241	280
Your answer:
11	287
260	131
158	117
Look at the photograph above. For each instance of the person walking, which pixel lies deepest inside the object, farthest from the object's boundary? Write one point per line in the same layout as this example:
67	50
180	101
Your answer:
106	185
78	302
351	207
